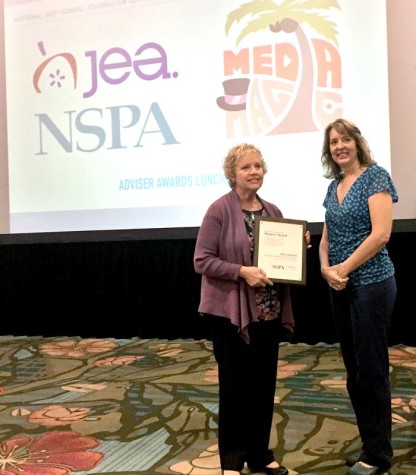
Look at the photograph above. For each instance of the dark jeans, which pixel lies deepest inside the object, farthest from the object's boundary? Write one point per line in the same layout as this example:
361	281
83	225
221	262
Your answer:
247	384
362	319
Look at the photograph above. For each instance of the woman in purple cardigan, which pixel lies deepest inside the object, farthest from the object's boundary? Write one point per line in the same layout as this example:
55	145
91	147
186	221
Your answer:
248	315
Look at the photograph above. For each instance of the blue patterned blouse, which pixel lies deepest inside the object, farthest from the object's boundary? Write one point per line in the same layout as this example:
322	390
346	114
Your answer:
349	224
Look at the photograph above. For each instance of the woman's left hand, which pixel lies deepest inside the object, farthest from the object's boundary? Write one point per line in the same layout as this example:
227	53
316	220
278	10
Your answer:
337	282
308	239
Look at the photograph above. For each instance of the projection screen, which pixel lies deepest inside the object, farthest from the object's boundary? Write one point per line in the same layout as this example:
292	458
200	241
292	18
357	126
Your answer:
119	113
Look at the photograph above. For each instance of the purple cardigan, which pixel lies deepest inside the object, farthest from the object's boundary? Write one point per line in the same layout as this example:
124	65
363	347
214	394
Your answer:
221	249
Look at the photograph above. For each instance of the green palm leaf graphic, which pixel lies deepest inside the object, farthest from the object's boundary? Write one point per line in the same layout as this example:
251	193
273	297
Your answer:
259	15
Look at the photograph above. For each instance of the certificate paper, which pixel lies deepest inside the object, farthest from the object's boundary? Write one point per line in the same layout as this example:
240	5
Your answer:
280	249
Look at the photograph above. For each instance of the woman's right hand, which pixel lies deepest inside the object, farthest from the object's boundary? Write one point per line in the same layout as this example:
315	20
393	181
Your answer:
254	276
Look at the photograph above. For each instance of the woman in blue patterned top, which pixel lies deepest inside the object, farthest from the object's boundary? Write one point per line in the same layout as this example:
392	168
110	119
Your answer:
355	263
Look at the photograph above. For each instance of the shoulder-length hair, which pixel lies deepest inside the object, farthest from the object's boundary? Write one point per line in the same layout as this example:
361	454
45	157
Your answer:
348	128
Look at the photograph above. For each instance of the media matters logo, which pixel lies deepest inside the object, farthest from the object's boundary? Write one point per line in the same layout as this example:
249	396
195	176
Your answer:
290	85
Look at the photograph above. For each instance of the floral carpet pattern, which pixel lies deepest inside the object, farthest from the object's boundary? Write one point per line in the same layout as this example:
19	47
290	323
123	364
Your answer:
84	406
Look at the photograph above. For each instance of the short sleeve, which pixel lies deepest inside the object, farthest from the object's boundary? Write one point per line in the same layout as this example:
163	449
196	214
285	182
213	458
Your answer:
381	181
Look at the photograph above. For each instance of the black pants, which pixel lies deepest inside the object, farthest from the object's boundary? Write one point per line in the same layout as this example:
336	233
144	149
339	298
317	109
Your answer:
362	319
247	384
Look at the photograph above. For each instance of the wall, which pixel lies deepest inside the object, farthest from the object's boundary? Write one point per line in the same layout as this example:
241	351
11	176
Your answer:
401	32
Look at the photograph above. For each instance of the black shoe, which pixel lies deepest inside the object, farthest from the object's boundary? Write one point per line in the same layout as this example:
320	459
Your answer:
280	470
353	459
360	469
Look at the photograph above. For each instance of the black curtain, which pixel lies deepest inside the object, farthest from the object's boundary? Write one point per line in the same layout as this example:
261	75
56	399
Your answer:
148	289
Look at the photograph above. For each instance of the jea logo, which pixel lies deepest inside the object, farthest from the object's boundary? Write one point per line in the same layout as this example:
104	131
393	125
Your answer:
104	124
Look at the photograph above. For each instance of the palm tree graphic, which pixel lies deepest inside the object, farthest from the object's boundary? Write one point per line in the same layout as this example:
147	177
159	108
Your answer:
288	16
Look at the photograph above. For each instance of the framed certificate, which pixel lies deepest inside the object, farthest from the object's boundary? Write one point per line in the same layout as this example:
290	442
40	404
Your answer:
280	249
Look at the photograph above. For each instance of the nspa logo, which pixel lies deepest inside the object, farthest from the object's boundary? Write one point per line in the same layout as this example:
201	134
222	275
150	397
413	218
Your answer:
290	84
113	67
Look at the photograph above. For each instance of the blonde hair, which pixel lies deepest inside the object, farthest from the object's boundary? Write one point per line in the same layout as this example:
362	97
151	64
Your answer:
234	154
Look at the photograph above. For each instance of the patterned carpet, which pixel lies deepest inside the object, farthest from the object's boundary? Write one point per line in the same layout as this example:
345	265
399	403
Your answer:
123	407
